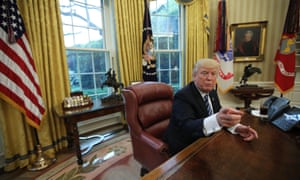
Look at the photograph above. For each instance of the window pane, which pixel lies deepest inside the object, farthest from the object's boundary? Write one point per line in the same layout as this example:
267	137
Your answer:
95	16
96	39
88	61
72	62
81	36
100	78
79	15
163	42
164	61
68	35
85	62
89	2
175	63
174	42
88	84
100	61
164	77
165	21
74	81
175	76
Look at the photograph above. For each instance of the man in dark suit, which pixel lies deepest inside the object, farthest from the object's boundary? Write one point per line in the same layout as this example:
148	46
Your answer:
192	119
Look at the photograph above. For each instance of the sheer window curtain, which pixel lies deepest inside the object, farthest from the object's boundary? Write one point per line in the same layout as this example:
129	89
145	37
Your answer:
44	30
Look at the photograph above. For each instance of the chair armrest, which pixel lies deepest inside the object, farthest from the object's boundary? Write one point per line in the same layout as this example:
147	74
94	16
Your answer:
154	143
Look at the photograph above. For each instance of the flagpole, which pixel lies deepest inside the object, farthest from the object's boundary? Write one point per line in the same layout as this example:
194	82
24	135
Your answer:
42	161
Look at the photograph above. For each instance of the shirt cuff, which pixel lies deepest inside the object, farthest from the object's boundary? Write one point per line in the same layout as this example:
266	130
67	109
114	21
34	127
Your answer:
232	129
211	125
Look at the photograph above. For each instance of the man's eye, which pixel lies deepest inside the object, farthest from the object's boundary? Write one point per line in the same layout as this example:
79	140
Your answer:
204	73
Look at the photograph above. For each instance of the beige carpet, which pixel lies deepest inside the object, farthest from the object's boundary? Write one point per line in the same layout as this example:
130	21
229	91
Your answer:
119	165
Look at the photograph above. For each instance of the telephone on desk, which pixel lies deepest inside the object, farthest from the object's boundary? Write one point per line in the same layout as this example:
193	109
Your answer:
281	114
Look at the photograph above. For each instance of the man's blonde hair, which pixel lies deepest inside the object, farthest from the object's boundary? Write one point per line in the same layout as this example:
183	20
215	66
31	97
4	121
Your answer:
205	63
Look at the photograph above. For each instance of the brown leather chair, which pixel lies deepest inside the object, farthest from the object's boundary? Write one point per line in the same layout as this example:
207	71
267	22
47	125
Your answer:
148	108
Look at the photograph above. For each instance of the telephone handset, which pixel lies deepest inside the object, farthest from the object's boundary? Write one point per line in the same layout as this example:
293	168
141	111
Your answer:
281	114
288	119
276	106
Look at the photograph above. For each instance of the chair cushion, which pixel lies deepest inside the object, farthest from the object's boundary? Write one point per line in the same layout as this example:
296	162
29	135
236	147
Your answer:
154	116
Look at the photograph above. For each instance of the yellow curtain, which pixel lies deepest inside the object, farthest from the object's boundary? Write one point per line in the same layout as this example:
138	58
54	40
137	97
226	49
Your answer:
129	25
44	29
197	34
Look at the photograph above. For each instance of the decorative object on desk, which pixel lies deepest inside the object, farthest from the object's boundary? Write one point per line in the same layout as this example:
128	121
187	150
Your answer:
77	101
111	81
249	71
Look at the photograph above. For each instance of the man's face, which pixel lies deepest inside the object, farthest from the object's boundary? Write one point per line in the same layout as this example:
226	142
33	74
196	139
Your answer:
206	78
248	37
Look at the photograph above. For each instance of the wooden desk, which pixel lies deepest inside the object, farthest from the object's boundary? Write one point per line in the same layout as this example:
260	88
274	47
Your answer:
249	93
275	155
72	117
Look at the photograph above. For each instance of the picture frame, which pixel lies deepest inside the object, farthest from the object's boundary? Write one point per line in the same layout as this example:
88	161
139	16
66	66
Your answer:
248	41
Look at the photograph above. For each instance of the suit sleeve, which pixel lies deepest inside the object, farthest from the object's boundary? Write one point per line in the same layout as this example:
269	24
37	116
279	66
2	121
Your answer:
188	115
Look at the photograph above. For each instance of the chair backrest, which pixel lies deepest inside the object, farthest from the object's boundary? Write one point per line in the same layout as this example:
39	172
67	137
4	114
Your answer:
148	107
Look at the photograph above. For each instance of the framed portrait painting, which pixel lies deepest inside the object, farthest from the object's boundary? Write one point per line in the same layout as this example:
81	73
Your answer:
248	41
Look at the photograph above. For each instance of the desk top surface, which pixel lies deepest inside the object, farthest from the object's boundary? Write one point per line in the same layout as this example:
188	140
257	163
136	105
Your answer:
274	155
96	106
252	89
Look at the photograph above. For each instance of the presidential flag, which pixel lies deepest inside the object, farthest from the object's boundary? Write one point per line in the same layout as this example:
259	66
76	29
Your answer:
223	51
285	58
19	83
148	55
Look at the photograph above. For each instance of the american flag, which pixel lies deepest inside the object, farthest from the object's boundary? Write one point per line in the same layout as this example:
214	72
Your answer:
223	50
19	83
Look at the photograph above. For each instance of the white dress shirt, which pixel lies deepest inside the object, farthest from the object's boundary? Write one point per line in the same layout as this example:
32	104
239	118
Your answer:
211	125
